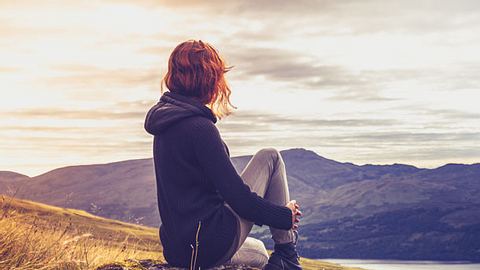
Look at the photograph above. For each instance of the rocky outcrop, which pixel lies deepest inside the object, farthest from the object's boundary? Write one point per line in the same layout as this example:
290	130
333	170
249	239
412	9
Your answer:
157	265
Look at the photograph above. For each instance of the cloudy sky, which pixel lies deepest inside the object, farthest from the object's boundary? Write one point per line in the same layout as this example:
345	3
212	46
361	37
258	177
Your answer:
356	81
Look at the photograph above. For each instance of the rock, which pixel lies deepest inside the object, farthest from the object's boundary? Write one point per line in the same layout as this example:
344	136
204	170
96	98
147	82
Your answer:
158	265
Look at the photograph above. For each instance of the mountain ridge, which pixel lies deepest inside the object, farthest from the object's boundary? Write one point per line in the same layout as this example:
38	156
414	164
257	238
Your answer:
244	156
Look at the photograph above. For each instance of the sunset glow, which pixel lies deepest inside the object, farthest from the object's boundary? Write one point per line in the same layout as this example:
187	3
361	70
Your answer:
364	82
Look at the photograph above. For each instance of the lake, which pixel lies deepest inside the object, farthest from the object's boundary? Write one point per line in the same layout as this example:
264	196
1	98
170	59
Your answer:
406	265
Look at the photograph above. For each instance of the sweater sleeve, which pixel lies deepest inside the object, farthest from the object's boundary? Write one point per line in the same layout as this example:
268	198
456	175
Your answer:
218	168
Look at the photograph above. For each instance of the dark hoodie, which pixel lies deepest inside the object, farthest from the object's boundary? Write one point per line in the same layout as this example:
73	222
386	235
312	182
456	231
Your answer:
194	179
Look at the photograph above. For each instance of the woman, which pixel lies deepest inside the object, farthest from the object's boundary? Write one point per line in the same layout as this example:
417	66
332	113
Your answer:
207	209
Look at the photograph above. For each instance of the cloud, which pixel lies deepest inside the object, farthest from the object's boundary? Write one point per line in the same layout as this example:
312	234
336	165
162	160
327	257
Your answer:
453	114
13	31
370	139
407	138
8	69
265	25
449	116
215	6
257	121
433	156
58	113
307	72
85	76
335	17
41	129
84	145
157	50
418	148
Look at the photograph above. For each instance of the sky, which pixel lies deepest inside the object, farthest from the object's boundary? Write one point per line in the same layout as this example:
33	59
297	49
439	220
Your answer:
368	82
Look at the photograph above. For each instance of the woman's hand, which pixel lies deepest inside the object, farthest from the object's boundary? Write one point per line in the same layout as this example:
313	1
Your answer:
296	213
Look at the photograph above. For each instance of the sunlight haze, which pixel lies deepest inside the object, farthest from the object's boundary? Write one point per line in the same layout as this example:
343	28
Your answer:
355	81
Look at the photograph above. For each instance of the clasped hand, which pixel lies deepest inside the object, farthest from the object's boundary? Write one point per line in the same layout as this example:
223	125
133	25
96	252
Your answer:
296	213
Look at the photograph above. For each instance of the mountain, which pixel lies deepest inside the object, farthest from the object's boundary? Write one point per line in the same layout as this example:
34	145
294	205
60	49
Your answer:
8	176
395	211
8	180
121	190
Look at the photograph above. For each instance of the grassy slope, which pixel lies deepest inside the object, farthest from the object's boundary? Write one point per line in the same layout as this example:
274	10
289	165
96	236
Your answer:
101	228
72	239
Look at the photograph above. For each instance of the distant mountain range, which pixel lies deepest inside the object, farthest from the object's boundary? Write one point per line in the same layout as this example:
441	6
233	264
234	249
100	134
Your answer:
371	211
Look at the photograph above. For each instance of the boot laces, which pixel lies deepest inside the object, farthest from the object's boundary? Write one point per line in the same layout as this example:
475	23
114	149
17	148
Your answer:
295	232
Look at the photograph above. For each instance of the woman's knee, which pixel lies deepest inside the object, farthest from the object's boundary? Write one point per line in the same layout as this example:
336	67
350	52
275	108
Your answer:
268	152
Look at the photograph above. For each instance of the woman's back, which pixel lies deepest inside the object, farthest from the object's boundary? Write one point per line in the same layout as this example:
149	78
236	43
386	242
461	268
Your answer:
185	196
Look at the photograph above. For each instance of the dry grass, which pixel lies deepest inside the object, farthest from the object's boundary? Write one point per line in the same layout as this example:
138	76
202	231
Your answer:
36	236
318	265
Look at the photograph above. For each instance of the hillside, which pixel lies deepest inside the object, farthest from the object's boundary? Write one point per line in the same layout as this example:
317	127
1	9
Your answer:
439	208
8	176
9	179
35	235
39	236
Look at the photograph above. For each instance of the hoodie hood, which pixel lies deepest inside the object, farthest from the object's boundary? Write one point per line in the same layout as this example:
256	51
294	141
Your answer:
172	108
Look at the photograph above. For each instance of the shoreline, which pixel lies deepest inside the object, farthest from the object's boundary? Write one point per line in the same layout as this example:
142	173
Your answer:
398	261
405	264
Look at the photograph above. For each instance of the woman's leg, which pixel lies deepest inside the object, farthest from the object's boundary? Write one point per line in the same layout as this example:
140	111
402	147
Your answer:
266	175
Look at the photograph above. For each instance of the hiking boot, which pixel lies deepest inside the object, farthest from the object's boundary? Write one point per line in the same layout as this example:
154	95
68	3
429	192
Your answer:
284	257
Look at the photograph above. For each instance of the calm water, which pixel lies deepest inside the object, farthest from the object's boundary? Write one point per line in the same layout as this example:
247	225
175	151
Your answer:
406	265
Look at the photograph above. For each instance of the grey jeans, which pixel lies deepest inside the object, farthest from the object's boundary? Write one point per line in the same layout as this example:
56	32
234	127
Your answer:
266	175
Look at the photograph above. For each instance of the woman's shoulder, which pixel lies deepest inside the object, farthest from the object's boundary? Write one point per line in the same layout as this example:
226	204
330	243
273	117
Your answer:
199	123
203	132
197	127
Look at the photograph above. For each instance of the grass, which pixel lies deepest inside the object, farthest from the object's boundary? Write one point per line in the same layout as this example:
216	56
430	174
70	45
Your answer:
39	236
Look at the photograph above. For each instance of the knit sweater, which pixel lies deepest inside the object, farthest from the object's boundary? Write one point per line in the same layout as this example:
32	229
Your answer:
194	179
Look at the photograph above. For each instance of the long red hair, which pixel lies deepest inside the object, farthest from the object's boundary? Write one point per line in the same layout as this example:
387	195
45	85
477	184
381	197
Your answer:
196	69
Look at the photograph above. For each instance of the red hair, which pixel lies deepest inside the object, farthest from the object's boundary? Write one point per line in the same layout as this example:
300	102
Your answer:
196	69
